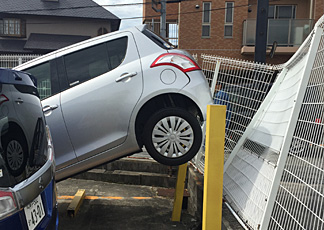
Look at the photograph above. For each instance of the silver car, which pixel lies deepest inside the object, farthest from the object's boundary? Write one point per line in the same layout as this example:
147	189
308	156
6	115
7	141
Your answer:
109	96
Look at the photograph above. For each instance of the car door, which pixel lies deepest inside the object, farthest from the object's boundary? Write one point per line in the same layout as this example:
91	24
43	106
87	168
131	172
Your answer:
48	88
105	83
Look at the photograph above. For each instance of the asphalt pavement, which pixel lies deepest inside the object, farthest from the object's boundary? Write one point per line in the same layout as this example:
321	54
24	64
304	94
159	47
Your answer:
118	207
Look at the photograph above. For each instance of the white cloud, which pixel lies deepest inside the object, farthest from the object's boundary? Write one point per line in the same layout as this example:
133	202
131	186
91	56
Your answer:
128	11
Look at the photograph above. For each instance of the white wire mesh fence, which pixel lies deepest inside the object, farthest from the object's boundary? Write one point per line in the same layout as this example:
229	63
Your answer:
241	86
274	176
299	202
12	60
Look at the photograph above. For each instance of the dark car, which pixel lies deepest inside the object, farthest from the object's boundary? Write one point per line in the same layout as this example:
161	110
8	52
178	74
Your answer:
27	185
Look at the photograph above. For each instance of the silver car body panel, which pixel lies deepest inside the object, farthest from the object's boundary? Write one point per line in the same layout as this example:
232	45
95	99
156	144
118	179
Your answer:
54	119
107	127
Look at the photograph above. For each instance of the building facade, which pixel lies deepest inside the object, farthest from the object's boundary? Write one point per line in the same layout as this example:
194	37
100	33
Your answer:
227	28
41	26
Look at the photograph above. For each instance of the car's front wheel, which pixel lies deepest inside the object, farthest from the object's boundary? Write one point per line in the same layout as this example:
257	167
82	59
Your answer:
172	136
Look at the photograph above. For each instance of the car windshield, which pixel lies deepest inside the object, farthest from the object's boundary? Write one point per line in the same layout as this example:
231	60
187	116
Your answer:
23	142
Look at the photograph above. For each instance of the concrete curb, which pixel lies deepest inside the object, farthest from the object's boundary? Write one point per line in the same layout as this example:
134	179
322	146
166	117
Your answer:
150	173
133	171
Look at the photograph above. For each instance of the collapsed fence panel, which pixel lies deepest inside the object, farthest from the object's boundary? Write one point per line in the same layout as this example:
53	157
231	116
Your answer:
298	199
274	174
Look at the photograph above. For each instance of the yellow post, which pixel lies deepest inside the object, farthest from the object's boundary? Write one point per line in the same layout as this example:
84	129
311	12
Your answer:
178	196
214	164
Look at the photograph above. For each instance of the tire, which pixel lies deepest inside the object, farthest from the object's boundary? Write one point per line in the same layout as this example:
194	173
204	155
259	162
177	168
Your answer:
172	136
15	154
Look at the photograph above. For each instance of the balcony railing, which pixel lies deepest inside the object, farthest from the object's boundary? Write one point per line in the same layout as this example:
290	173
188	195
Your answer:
286	32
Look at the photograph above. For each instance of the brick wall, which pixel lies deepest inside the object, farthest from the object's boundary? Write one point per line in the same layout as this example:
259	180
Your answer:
190	25
171	10
319	9
190	29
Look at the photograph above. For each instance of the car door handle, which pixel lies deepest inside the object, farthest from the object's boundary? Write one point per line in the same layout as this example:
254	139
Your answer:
19	101
125	76
49	108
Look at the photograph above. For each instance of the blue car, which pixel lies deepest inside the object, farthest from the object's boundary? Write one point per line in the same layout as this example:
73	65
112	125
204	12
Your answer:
27	183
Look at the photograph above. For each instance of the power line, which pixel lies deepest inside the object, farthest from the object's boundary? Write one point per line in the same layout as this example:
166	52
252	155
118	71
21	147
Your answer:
108	5
190	12
73	8
139	17
197	11
83	7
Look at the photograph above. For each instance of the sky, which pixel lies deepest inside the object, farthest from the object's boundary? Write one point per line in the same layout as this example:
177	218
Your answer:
124	11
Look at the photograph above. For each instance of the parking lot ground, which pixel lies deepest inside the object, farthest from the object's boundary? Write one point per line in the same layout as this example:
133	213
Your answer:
118	206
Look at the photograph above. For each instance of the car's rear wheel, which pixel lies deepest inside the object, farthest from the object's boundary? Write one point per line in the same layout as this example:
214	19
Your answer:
15	154
172	136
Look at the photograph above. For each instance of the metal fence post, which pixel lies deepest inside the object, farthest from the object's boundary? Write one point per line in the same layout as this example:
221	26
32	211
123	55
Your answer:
212	89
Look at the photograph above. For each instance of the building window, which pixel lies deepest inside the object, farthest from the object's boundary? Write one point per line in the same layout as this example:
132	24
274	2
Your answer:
282	12
229	12
12	27
102	30
206	19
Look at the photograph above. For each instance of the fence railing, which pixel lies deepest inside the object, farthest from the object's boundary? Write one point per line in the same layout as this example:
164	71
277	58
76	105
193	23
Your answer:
12	60
286	32
241	86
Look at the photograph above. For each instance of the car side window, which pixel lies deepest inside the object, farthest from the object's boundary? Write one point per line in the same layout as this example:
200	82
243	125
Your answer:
117	51
43	74
86	64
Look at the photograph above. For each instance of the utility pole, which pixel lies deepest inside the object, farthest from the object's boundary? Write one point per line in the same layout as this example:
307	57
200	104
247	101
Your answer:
162	17
261	31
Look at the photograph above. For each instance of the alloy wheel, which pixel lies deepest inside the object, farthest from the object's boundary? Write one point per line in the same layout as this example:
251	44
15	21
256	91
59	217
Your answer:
172	136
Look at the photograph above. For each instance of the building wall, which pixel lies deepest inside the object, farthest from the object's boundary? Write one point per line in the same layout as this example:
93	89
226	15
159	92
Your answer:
172	11
217	44
48	25
190	25
190	29
319	9
63	26
302	7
